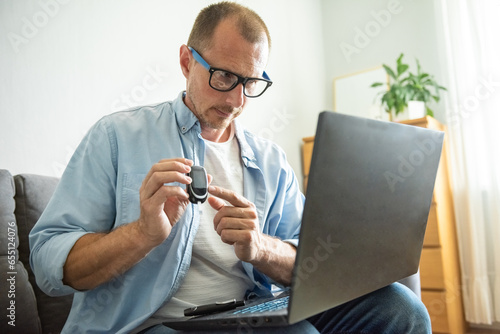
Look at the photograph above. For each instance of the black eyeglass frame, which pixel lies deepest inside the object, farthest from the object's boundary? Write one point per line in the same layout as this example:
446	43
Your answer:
265	78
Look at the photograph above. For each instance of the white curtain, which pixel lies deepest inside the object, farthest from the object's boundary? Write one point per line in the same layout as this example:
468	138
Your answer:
471	30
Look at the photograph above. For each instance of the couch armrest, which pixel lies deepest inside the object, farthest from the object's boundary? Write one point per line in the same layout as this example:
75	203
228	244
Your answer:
18	301
33	193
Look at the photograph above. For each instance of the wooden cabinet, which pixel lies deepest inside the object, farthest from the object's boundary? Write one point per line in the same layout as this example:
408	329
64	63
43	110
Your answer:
439	264
307	151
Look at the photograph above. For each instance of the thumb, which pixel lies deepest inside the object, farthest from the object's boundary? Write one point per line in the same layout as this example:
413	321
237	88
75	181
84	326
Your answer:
216	203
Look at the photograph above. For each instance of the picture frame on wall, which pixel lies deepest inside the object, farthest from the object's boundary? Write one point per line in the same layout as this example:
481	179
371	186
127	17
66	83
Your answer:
353	94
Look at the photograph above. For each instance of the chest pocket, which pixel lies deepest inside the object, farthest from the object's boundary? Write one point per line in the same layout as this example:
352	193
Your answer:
130	201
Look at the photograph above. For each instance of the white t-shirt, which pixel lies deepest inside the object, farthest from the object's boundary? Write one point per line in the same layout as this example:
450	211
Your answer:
215	271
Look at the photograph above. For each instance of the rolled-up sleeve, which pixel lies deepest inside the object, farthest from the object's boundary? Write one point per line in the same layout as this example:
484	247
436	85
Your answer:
84	202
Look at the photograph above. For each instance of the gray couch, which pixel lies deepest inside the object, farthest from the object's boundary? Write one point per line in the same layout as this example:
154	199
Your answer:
22	200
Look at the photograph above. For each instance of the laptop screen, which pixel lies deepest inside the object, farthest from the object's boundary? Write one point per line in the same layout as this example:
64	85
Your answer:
368	198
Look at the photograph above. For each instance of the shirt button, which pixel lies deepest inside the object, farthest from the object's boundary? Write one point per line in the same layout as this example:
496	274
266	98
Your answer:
184	129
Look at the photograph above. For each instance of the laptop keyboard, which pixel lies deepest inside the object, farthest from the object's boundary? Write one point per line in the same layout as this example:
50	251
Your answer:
272	305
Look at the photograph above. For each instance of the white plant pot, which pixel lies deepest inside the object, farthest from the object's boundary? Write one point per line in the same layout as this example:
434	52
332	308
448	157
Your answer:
402	116
416	109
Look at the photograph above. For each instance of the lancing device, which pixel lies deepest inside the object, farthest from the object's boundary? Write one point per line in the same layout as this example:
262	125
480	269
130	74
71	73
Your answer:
213	308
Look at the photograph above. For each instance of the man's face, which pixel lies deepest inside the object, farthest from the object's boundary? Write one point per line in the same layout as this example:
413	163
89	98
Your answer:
231	52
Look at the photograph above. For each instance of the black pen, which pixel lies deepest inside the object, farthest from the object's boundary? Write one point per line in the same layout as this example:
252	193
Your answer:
213	308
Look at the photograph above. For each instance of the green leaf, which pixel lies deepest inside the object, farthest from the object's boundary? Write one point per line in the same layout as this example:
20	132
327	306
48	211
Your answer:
402	68
399	61
423	76
429	111
376	84
418	67
389	71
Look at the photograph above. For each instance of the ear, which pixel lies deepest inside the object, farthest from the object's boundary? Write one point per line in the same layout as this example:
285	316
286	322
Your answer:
185	58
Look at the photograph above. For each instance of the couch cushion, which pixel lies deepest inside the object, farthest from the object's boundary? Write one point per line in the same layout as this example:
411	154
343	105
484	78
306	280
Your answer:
33	193
18	301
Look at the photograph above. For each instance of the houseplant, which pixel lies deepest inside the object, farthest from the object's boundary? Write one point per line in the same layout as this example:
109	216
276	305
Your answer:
405	86
423	87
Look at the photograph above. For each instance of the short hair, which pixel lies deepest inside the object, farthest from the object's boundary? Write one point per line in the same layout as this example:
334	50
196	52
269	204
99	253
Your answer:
249	23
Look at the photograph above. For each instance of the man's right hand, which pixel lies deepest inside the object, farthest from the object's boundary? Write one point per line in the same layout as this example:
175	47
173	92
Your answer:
99	257
163	204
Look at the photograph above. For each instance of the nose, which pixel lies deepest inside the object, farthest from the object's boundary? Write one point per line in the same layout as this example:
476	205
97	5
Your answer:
235	97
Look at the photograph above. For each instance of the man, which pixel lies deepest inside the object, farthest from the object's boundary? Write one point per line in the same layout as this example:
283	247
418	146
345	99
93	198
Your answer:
122	235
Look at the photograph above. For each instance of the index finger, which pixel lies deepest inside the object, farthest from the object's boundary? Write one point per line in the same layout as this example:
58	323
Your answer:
181	165
230	196
185	161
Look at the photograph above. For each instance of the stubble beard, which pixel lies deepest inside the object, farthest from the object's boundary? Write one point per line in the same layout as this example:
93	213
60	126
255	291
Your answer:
221	123
209	118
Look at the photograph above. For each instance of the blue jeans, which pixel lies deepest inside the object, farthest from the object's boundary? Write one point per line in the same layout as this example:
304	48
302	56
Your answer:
394	309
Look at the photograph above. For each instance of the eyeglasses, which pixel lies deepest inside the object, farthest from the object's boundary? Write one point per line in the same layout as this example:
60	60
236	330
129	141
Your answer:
224	81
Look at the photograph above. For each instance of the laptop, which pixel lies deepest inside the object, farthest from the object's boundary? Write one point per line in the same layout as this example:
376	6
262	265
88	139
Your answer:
368	198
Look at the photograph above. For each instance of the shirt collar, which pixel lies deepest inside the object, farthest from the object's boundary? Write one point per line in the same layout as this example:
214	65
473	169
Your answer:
186	120
184	116
247	152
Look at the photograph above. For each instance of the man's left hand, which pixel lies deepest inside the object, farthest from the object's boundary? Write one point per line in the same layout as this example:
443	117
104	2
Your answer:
237	224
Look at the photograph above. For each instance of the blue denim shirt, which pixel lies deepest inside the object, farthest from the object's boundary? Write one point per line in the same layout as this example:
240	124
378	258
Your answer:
99	191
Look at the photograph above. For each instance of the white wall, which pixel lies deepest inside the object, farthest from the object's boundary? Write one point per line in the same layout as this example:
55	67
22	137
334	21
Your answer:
364	34
64	64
